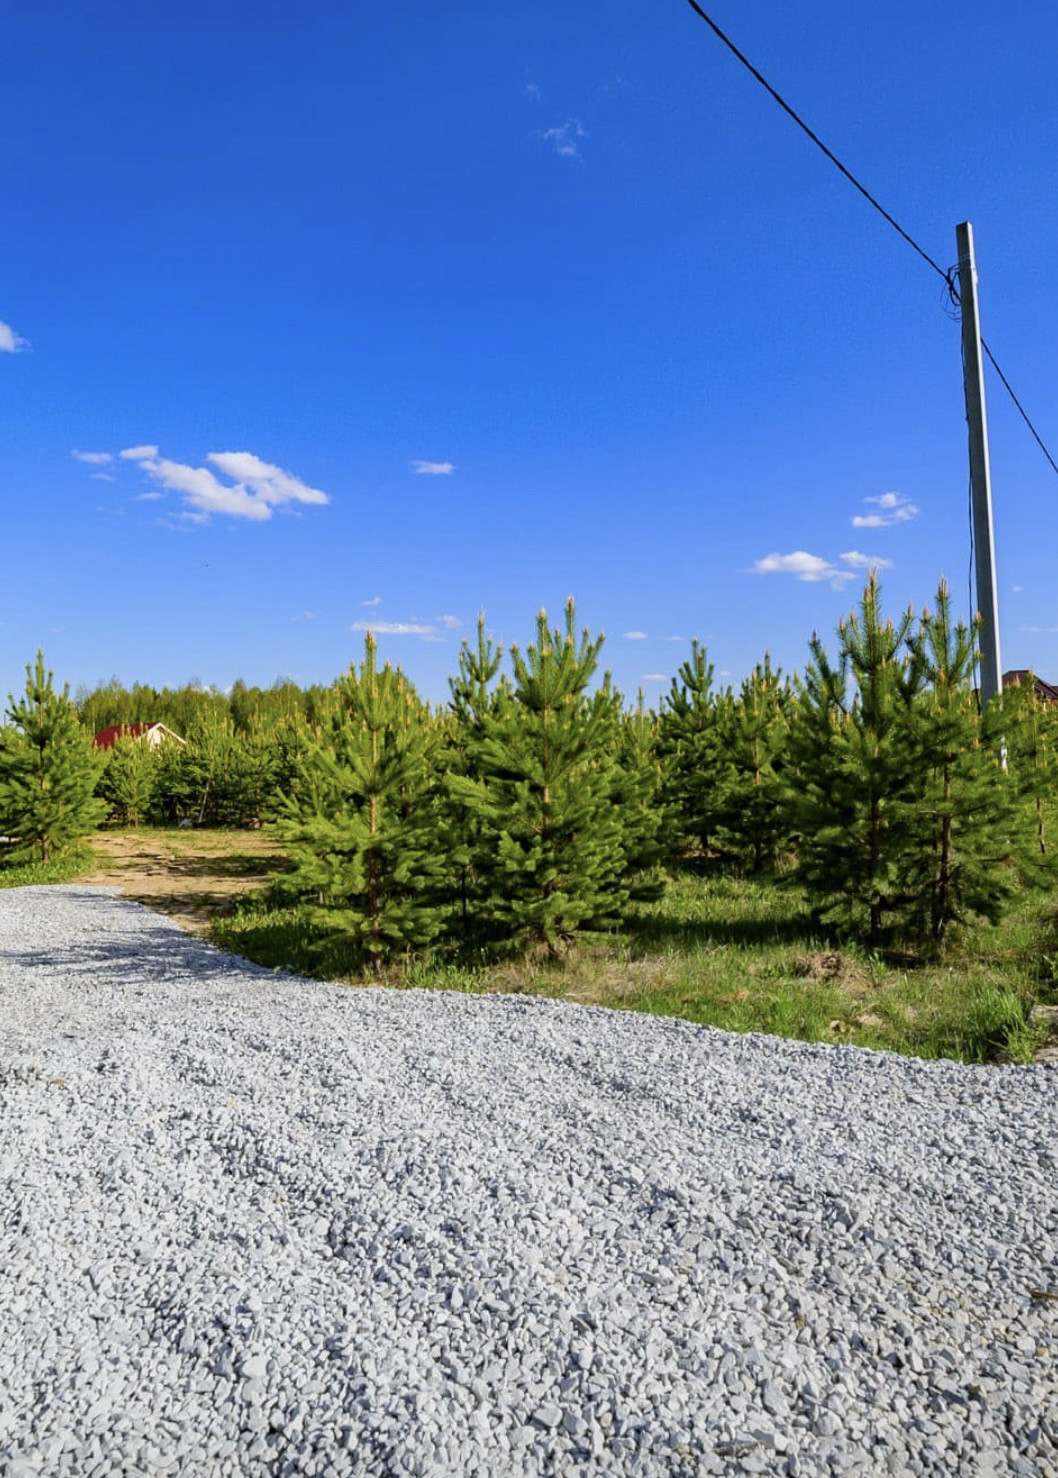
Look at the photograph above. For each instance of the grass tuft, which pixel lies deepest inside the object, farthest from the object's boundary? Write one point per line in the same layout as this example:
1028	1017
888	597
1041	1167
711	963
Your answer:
32	874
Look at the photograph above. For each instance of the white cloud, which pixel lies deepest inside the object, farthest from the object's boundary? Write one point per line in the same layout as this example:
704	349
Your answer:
674	638
895	508
1038	629
397	628
810	568
376	600
256	489
654	677
635	636
532	90
1017	589
565	139
102	476
433	469
95	459
271	484
453	623
304	616
204	493
148	497
866	561
801	564
10	342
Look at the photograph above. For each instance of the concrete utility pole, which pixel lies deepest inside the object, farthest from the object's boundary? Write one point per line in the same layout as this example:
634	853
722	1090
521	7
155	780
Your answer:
980	476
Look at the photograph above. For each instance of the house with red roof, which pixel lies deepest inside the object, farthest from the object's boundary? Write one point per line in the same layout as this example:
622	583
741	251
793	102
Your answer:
151	734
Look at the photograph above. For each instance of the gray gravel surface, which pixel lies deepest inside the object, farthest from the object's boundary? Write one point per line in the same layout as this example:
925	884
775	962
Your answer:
253	1224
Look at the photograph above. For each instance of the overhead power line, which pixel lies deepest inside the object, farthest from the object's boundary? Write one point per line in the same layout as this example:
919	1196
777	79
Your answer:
948	277
1021	408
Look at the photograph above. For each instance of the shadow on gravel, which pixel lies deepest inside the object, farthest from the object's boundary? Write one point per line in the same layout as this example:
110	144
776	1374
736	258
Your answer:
152	952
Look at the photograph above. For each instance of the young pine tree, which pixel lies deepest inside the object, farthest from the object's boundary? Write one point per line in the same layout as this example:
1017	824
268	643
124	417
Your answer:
964	819
130	781
48	773
851	778
360	821
540	789
694	763
637	797
752	811
476	702
1030	727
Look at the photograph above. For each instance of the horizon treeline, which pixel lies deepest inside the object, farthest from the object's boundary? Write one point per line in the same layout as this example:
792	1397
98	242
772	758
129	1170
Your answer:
536	806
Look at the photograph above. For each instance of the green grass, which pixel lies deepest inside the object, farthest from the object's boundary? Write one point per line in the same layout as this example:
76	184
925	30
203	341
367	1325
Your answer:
63	870
742	955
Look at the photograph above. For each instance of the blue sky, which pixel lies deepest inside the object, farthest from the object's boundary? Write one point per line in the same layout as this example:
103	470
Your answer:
398	313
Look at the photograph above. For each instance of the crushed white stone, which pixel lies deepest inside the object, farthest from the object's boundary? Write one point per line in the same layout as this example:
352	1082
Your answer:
255	1224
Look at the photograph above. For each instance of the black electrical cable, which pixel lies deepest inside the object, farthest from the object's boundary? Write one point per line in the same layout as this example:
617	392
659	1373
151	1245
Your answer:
1021	408
949	277
818	141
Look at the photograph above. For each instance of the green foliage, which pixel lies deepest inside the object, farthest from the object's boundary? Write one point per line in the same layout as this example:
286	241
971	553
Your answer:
358	821
751	801
48	771
186	708
690	743
129	783
477	701
222	776
904	816
962	863
37	874
851	776
557	828
1030	730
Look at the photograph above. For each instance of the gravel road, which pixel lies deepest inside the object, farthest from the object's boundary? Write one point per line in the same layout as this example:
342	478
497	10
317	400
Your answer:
258	1225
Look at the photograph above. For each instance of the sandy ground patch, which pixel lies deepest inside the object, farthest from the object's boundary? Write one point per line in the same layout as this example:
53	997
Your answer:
191	876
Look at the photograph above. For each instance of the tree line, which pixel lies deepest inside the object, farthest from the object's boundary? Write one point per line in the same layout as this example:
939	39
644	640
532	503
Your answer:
536	806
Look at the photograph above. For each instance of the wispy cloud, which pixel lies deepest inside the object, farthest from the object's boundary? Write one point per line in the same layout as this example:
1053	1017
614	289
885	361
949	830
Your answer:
255	487
304	616
435	629
1017	589
532	90
635	636
102	476
376	600
803	566
433	469
893	508
1038	629
148	497
860	561
10	342
565	140
94	459
654	677
399	628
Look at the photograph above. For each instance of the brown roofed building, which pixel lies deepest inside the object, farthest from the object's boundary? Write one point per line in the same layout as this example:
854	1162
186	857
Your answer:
1045	692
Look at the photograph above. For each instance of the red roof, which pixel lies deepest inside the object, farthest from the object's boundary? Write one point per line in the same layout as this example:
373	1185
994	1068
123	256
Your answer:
109	737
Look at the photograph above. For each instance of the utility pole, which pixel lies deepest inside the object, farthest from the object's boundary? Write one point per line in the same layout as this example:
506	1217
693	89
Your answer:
980	475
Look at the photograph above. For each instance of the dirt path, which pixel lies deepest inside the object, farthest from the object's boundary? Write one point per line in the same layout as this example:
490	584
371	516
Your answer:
191	876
